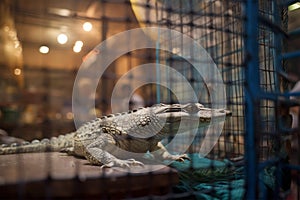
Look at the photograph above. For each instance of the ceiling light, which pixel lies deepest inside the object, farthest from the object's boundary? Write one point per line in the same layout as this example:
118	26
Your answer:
87	26
44	49
17	71
77	49
79	43
294	6
62	38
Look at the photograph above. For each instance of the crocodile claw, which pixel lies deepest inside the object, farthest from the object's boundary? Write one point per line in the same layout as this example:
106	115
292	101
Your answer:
180	158
123	163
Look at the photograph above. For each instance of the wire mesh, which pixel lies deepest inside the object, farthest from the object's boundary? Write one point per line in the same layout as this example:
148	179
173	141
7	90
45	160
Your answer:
222	28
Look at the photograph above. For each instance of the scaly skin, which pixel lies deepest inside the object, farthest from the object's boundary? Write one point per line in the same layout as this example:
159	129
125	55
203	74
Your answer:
103	140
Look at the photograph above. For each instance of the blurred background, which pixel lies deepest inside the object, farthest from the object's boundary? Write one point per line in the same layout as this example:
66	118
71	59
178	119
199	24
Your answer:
43	44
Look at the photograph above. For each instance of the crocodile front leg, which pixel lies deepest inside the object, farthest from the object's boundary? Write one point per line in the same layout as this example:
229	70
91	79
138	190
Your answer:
97	153
160	152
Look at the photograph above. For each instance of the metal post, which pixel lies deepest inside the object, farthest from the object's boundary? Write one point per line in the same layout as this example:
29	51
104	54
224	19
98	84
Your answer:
252	91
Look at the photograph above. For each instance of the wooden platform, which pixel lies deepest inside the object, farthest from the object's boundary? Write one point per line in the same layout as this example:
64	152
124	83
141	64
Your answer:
58	175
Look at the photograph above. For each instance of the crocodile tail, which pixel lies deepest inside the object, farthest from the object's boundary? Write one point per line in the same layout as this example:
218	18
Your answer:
45	145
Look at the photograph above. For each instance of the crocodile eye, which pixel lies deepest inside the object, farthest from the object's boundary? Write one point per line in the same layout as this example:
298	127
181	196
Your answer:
200	105
104	129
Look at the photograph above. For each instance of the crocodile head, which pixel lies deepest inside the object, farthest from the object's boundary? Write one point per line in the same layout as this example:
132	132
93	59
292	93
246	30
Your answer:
188	116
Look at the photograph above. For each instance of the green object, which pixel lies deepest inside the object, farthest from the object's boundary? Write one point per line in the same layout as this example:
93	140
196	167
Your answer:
210	179
214	179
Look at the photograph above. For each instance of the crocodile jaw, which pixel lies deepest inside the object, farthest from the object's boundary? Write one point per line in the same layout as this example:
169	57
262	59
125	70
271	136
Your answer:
191	115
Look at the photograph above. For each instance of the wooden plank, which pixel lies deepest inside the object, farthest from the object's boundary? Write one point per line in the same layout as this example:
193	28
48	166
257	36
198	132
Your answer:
58	175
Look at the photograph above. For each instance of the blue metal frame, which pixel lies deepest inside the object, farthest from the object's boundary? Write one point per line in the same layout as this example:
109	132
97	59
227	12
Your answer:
254	94
251	94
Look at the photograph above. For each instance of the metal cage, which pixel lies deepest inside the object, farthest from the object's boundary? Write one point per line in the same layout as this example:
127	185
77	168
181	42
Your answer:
252	158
